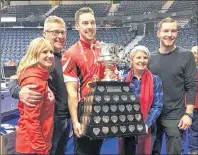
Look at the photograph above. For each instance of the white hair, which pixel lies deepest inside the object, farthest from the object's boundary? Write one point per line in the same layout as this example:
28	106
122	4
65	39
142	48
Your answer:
139	48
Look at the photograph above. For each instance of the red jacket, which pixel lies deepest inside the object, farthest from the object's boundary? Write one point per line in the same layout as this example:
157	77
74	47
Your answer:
196	103
35	125
79	64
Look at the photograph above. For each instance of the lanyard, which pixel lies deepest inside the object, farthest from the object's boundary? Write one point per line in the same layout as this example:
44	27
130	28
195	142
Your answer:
95	77
82	52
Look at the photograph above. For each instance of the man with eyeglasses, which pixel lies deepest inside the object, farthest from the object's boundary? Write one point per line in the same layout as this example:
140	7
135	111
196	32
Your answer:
55	32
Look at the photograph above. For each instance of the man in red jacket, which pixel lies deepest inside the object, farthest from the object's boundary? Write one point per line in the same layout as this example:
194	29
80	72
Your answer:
193	130
80	67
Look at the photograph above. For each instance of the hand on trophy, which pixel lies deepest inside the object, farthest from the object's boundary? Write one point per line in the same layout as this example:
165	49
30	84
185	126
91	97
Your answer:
110	75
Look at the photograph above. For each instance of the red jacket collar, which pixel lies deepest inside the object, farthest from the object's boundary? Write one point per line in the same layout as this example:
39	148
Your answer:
86	44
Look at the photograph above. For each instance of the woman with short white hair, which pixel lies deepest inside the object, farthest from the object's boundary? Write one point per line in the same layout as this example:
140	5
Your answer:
148	89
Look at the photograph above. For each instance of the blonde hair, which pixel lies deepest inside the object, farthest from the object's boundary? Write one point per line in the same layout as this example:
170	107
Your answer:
194	49
34	50
137	49
166	20
82	11
53	19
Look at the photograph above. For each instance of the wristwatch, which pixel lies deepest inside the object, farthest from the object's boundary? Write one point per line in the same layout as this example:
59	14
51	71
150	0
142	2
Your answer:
189	114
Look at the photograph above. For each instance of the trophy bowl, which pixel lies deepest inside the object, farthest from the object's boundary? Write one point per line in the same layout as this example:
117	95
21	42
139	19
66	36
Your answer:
109	56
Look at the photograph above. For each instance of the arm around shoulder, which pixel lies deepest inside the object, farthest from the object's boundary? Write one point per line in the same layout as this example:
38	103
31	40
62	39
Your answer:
14	88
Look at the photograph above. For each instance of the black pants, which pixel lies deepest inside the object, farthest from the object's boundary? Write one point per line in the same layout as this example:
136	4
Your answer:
173	137
130	145
85	146
60	136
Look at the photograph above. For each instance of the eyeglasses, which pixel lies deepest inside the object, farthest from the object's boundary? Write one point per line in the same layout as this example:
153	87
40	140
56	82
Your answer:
56	32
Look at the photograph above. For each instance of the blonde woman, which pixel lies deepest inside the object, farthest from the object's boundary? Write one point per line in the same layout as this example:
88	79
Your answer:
35	125
193	130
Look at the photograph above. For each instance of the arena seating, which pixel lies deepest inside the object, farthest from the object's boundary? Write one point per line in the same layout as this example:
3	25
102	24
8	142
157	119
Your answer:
128	8
100	9
14	41
182	6
22	11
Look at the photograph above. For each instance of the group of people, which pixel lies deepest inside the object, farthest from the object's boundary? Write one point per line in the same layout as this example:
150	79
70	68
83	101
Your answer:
50	83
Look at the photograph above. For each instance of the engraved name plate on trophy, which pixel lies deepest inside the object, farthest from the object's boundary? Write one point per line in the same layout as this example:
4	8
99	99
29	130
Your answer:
111	110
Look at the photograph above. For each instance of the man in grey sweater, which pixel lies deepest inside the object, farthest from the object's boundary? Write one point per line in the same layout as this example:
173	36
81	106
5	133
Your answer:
176	67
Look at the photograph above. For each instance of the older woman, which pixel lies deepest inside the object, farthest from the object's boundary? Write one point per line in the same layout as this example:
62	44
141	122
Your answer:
193	130
35	125
148	89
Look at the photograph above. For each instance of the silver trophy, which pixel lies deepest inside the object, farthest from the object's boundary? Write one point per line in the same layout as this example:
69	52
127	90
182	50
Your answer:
110	109
109	56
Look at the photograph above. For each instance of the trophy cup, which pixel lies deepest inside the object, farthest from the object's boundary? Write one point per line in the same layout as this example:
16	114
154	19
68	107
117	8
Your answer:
109	56
110	109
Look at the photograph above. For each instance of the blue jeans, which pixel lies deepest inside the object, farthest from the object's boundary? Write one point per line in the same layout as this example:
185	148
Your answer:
60	136
193	133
